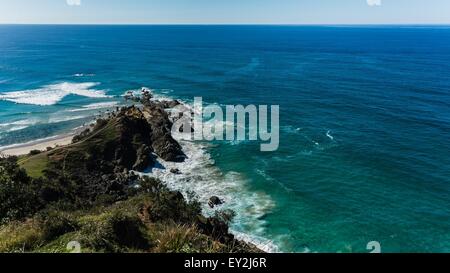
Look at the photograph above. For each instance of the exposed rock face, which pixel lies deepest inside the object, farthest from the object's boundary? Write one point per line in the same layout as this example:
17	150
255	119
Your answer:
98	162
143	158
169	104
126	140
162	142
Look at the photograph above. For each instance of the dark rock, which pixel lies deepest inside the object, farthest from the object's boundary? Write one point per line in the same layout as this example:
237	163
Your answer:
143	158
162	141
214	201
175	171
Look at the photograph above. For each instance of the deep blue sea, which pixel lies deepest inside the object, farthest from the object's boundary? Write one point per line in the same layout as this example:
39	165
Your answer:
365	119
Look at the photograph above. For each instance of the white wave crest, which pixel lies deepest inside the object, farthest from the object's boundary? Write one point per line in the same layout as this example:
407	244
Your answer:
96	106
83	75
54	93
17	125
329	135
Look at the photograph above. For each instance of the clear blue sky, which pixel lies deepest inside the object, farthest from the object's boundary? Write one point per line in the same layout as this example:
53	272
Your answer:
226	11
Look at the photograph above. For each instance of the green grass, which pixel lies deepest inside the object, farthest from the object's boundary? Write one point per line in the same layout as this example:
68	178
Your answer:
20	236
35	165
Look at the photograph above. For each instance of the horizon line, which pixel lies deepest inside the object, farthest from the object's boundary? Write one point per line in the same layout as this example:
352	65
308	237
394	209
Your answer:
229	24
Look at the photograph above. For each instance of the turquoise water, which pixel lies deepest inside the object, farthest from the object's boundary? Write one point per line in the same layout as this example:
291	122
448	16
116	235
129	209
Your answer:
365	121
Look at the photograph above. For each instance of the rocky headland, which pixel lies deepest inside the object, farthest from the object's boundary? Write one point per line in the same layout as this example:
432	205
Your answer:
90	191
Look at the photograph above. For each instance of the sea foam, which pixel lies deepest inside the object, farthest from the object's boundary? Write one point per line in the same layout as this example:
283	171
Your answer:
200	175
95	106
53	93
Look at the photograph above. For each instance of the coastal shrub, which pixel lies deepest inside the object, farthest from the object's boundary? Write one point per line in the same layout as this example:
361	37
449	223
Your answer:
167	205
56	223
152	186
185	239
115	231
20	236
225	216
170	206
18	197
34	152
81	136
100	124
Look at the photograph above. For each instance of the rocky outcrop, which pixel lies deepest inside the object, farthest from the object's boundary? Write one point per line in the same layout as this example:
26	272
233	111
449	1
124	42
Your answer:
214	201
162	142
169	104
175	171
143	158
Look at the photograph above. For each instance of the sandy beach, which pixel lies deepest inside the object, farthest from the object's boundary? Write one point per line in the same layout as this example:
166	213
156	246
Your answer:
41	145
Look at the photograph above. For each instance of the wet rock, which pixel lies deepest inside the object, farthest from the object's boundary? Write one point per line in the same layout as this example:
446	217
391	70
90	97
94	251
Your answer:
214	201
175	171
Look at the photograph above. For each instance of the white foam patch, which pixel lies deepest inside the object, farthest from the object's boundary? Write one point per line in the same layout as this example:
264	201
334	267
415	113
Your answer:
83	75
96	106
25	123
54	93
17	125
57	118
199	174
329	135
16	128
157	94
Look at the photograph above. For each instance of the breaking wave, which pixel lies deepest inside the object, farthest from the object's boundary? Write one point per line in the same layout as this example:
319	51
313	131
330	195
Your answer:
53	93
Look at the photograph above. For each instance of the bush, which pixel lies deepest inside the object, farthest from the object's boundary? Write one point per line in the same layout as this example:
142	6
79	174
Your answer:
115	231
81	136
18	197
100	124
225	216
55	224
171	206
185	239
34	152
20	237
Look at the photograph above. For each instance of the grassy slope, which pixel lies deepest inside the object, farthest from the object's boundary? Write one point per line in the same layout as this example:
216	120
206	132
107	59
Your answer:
101	229
95	231
36	164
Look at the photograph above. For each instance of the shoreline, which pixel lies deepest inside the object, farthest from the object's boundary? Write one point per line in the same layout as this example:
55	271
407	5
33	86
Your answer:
200	156
39	144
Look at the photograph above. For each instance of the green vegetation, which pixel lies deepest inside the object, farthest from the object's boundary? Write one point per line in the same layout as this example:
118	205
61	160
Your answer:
34	164
129	226
84	192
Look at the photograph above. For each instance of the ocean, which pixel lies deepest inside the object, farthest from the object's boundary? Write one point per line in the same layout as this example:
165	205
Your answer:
364	113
